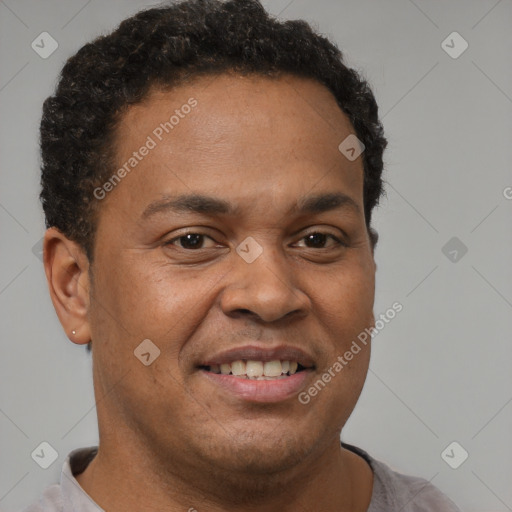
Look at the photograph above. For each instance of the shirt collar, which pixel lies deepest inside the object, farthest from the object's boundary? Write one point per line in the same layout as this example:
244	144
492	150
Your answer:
74	497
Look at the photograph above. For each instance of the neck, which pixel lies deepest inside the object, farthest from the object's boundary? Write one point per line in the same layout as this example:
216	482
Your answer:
131	478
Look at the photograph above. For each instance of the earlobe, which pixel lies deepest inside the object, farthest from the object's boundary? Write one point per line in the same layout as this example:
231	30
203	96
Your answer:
67	273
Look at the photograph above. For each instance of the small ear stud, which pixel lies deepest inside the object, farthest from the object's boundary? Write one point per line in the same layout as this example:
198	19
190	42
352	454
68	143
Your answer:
73	332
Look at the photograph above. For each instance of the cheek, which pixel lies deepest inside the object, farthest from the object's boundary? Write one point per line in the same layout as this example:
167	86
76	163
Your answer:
135	301
347	297
346	309
156	301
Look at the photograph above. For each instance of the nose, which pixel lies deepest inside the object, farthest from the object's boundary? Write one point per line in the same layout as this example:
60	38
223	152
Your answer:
266	289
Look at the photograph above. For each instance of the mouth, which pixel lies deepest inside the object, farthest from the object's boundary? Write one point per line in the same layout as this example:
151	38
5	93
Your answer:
259	374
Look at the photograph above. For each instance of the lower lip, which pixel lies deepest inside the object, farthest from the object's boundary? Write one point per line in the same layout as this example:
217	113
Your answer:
265	391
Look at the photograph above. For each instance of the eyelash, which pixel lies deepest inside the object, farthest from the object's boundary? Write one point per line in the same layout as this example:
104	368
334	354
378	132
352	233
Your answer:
339	242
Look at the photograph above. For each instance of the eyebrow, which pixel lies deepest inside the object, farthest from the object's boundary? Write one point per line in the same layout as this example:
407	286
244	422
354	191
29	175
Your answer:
208	205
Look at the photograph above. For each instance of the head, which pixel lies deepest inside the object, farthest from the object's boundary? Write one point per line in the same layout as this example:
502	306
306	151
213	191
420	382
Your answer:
218	100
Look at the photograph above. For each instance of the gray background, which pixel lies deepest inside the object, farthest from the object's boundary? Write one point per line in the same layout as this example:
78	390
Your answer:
440	371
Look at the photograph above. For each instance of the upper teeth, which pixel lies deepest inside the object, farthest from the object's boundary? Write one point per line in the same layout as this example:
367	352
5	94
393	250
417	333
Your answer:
256	368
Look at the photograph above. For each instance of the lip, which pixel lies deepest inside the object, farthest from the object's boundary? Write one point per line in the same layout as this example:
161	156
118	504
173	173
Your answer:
259	353
262	391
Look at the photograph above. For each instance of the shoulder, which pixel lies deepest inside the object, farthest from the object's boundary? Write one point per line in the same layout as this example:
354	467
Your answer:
51	500
394	491
409	493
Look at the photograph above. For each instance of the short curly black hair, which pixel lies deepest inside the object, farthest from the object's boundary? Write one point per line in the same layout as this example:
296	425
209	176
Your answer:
164	46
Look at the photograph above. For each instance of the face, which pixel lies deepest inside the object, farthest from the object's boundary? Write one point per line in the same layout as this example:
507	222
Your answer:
264	270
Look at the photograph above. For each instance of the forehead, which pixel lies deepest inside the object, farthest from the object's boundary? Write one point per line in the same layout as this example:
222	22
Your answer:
237	137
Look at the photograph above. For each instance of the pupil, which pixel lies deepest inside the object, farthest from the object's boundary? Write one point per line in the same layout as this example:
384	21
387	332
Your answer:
317	237
192	240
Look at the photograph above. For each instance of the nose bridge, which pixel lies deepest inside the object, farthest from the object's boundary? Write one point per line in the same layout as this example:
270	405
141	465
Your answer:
262	282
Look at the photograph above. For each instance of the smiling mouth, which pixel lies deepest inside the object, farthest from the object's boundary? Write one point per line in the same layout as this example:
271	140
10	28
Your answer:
257	370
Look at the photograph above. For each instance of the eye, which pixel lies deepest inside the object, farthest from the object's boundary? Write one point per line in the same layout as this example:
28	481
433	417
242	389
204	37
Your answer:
317	239
190	240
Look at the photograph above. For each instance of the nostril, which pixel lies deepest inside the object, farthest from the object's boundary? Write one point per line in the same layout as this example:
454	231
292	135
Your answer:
245	311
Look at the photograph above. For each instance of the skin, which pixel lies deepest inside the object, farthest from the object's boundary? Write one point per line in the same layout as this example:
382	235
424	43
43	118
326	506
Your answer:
260	144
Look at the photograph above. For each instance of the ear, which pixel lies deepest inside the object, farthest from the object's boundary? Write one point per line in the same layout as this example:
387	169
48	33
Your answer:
67	272
374	238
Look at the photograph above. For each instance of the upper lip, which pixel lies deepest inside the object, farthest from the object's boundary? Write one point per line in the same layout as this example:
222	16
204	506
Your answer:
258	353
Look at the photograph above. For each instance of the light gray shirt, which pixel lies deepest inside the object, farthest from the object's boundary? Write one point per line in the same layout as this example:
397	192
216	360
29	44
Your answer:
392	491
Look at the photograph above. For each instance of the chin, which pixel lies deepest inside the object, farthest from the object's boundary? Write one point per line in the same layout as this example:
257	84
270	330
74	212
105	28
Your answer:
260	452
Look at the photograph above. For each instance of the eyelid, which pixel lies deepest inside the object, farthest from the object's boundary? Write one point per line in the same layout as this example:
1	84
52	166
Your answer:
326	229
